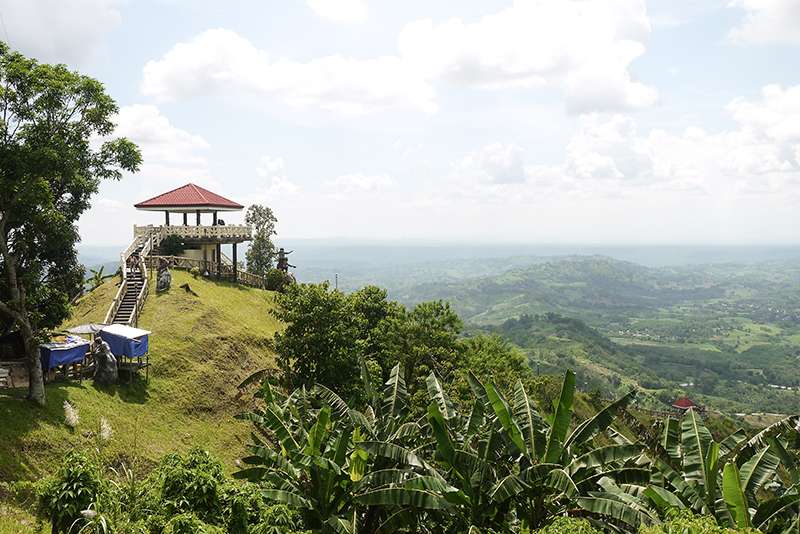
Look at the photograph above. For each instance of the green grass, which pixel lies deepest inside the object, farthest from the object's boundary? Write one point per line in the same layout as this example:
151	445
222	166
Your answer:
200	349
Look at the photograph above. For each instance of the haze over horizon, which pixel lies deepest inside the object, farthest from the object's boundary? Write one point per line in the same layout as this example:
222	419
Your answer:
604	122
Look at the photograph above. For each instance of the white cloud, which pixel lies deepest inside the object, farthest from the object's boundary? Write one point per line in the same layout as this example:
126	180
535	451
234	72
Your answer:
583	48
58	31
609	156
340	10
168	152
219	61
360	183
608	147
274	170
767	21
495	163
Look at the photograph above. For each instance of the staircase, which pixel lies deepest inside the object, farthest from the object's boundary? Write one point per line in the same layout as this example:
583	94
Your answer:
133	290
127	305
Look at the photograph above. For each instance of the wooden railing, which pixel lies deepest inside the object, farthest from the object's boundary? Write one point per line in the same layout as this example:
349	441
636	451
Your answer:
144	291
234	232
210	267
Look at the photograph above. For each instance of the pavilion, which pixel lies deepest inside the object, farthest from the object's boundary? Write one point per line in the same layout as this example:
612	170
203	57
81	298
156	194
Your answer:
202	242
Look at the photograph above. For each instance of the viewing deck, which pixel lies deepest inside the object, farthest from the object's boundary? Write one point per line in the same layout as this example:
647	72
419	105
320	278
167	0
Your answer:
203	234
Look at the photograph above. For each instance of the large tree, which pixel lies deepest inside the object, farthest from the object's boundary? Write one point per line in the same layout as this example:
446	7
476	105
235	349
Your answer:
261	254
52	158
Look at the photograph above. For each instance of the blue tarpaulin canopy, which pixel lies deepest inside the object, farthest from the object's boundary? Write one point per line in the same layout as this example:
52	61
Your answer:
56	354
126	341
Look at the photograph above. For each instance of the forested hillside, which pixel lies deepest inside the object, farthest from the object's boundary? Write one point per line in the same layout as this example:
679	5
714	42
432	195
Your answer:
726	334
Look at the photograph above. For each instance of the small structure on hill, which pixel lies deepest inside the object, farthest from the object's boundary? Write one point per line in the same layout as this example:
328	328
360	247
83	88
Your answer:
202	243
682	405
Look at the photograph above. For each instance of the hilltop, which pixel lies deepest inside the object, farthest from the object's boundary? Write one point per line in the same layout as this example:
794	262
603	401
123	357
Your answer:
200	350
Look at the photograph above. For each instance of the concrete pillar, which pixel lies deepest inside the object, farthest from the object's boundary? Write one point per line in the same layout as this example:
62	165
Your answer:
185	219
198	217
166	213
215	218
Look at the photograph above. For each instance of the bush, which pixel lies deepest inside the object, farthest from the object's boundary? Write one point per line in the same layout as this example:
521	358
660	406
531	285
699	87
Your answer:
569	525
680	522
172	245
188	523
191	484
75	487
277	280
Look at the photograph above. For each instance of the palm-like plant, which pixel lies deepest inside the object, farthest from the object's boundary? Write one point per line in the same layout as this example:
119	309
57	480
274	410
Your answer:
96	280
347	470
724	479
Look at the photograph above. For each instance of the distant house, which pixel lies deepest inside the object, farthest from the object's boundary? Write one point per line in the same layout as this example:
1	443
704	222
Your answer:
682	404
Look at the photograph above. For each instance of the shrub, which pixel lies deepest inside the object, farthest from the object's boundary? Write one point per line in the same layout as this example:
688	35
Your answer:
242	506
680	522
569	525
73	489
189	523
191	484
172	245
277	280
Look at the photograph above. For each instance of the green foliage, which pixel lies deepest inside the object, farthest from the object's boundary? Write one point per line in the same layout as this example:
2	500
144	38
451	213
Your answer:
569	525
172	245
96	279
75	487
361	469
684	522
277	280
50	172
329	332
188	523
191	484
261	253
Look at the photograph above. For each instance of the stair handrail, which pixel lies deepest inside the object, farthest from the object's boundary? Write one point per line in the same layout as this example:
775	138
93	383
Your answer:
123	257
144	291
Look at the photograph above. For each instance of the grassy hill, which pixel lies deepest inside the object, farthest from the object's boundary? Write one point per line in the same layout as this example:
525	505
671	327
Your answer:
201	348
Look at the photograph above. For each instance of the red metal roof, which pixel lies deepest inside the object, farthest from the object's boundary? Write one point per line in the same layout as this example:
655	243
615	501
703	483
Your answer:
189	195
684	402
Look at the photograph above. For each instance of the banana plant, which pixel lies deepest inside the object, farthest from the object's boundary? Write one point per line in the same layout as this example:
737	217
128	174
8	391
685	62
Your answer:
348	471
724	479
540	465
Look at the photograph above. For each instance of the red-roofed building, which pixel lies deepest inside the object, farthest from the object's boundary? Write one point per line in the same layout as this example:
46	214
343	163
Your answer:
684	403
202	242
189	198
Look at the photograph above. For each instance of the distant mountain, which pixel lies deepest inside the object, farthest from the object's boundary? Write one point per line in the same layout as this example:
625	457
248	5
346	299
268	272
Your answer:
587	286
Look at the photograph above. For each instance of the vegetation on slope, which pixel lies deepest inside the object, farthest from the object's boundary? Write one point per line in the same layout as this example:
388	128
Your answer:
200	349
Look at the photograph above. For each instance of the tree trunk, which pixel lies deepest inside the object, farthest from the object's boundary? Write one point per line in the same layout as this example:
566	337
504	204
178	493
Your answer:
35	374
17	310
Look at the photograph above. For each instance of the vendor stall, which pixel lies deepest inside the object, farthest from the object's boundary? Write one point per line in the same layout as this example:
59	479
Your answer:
129	345
62	353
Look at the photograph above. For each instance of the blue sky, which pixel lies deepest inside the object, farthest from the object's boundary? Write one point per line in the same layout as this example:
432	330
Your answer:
591	121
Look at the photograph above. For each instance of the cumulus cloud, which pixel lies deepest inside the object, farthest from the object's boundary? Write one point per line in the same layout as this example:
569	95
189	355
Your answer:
495	163
274	170
220	60
767	21
583	48
360	183
608	155
340	10
55	31
168	152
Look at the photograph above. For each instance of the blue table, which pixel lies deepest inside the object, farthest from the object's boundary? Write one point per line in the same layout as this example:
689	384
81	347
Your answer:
57	354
